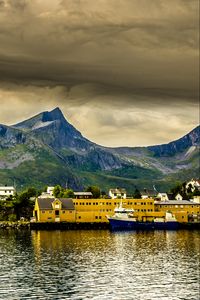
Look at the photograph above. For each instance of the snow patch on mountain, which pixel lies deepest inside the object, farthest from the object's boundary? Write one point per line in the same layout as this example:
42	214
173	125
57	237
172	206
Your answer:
41	124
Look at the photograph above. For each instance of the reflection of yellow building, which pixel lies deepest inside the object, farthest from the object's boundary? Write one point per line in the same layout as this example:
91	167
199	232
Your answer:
96	210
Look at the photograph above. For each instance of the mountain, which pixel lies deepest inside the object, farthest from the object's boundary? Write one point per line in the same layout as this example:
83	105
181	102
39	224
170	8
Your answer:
46	149
52	129
191	139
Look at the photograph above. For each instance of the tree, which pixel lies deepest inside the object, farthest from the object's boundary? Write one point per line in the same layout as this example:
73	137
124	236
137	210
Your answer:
103	194
95	190
69	193
57	191
196	192
23	206
176	189
137	194
189	189
31	192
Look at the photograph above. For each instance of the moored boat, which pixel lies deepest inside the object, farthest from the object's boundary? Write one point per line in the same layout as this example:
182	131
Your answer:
124	219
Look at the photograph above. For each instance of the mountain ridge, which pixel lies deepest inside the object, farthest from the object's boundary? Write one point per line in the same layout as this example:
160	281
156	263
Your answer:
50	140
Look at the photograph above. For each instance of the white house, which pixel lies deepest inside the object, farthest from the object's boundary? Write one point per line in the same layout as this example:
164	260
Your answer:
196	199
145	194
50	190
178	197
169	196
6	191
117	193
45	195
163	196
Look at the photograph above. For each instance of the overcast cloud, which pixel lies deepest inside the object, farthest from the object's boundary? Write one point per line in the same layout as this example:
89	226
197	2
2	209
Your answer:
124	72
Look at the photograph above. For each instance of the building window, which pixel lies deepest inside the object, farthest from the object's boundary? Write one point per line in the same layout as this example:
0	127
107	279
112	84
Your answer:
43	211
79	217
57	212
100	217
63	211
96	217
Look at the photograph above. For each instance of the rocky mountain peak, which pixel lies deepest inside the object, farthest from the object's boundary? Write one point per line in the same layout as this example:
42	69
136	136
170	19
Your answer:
55	114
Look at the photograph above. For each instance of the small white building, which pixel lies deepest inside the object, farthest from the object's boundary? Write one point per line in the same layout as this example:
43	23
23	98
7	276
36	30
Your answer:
6	191
50	190
163	196
117	193
148	194
45	195
83	195
196	199
169	196
179	197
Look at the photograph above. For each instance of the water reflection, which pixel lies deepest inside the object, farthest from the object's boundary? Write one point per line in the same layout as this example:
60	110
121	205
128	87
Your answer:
99	265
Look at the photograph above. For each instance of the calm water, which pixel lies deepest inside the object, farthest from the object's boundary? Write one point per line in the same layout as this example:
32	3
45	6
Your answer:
99	265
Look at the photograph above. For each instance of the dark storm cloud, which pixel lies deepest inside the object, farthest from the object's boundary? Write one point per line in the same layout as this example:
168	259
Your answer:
77	40
124	53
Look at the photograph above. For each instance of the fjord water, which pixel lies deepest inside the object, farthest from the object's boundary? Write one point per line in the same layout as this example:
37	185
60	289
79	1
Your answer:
99	265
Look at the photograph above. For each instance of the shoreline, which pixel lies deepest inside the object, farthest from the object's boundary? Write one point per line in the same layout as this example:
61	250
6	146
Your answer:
73	226
14	225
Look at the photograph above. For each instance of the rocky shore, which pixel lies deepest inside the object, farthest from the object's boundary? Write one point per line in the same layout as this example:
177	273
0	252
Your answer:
14	225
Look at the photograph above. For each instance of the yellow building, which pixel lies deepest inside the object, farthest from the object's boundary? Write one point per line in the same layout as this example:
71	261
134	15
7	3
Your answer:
54	210
184	211
96	210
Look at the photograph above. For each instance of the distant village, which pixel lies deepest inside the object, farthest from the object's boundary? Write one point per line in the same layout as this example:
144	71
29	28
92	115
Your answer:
57	204
191	187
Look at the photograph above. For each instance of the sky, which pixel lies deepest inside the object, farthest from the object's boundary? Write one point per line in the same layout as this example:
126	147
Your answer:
124	72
